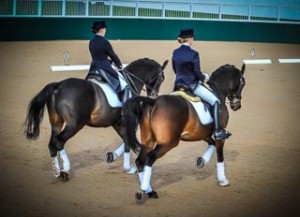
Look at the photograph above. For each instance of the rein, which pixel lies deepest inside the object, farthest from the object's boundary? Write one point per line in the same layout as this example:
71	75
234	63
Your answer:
221	91
128	76
232	98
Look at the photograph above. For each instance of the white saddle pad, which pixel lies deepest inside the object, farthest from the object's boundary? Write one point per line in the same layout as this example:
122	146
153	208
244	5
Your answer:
203	113
110	93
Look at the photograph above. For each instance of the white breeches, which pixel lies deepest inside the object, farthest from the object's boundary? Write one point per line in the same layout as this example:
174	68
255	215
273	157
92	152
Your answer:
206	94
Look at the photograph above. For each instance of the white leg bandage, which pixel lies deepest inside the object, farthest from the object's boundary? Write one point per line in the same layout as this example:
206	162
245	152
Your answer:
55	166
222	180
126	162
208	153
145	185
119	151
65	161
141	176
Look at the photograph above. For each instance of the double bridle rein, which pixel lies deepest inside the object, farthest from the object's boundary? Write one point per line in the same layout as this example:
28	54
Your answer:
128	77
233	98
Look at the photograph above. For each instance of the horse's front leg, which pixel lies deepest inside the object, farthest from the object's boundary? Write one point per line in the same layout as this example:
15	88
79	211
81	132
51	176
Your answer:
202	161
113	156
221	177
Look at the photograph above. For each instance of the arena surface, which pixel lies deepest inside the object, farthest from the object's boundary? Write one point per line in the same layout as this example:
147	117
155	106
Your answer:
262	156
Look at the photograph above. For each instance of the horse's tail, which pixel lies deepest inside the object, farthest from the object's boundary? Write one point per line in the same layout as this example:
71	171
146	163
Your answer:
133	112
35	111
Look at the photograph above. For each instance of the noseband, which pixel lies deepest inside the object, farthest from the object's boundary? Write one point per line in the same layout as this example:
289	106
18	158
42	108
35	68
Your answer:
236	97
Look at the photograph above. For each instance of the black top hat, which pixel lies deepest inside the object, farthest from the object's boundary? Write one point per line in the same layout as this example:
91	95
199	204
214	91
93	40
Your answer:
186	33
99	25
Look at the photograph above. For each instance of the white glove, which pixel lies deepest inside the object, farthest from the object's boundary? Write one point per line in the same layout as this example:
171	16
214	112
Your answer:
206	77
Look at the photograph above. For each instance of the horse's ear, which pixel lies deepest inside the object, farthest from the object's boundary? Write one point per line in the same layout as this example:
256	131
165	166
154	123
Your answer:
165	64
243	68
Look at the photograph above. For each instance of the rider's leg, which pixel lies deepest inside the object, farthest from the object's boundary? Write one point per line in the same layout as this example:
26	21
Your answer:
220	133
125	89
209	97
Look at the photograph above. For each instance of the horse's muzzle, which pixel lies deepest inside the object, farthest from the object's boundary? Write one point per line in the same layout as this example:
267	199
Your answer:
235	104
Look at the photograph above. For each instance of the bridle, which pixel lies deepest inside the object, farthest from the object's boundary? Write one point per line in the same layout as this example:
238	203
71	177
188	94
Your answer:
237	96
233	98
159	78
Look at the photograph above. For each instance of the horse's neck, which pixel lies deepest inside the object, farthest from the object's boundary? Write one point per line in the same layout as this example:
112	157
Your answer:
133	82
218	91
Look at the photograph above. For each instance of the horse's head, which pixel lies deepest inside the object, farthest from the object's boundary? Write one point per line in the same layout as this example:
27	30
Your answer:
153	85
235	94
228	81
146	72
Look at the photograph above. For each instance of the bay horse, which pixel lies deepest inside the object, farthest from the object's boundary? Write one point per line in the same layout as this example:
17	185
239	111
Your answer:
167	119
73	103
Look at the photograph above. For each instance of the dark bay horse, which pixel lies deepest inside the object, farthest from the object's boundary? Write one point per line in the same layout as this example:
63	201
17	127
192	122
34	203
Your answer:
167	119
74	103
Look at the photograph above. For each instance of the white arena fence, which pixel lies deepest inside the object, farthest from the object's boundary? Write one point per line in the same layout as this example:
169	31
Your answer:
281	11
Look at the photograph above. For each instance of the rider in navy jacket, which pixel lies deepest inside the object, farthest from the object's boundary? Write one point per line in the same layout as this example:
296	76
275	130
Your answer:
186	65
100	50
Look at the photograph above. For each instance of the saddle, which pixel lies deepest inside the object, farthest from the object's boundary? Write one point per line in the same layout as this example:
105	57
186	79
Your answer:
202	108
109	85
186	93
101	76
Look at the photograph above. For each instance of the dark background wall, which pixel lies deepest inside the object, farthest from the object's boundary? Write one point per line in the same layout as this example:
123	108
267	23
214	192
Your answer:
29	29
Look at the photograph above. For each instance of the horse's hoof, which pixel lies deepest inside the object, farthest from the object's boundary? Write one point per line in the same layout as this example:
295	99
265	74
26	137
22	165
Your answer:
109	157
200	162
223	183
140	198
131	170
64	176
152	194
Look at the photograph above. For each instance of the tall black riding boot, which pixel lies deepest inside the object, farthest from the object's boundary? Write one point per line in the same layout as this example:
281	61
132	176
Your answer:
220	133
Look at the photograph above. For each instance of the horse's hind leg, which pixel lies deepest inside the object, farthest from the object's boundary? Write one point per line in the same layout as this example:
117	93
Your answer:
56	127
140	163
59	143
148	191
152	156
221	177
53	154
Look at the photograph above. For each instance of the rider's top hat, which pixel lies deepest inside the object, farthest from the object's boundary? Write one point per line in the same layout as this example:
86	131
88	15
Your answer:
99	25
186	33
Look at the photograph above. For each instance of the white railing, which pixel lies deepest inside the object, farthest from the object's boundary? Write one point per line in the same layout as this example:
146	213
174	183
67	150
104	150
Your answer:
168	9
